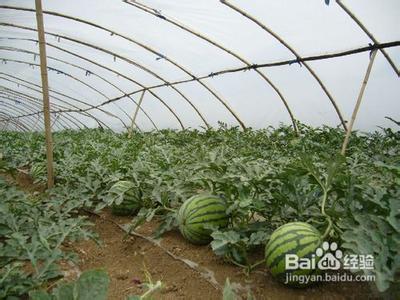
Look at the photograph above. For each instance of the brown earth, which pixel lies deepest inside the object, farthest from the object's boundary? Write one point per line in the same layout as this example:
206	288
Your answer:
125	259
186	271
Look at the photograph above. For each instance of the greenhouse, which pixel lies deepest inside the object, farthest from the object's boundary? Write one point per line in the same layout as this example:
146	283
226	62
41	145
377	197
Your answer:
199	149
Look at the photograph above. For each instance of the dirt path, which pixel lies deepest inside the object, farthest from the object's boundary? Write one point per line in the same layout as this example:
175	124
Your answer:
126	259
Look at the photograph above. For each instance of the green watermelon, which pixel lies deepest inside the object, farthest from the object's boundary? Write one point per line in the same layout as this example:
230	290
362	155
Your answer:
125	200
198	211
297	238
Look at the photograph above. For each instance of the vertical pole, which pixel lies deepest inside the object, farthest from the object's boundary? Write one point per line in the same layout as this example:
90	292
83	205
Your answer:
356	108
135	114
45	92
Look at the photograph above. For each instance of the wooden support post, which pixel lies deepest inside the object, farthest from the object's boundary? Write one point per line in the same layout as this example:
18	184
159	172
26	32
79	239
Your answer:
135	114
357	106
45	92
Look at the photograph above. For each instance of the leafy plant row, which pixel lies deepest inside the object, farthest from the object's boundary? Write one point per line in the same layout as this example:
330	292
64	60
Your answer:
33	234
268	177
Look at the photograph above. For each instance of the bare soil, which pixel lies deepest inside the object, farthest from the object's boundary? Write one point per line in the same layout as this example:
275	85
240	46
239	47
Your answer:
186	271
126	258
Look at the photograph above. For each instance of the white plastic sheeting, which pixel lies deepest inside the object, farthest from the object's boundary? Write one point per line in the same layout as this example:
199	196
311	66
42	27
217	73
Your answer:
146	43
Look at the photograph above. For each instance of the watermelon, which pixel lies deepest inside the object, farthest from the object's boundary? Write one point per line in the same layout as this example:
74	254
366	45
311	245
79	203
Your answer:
197	213
297	238
125	200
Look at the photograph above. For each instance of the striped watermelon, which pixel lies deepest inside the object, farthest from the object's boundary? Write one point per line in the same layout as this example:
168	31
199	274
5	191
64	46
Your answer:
198	211
297	238
125	200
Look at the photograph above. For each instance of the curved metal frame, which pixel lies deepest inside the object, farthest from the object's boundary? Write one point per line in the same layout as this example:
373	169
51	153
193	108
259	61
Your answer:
110	53
193	78
27	107
101	123
123	58
13	108
180	25
148	48
37	101
16	123
75	121
294	52
98	65
34	107
369	34
74	78
70	64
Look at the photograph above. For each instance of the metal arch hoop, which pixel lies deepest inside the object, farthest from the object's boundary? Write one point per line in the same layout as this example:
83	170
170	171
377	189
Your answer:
16	123
34	106
294	52
250	67
129	61
176	23
94	63
25	109
111	53
369	34
70	76
29	107
148	48
76	111
10	109
32	99
62	61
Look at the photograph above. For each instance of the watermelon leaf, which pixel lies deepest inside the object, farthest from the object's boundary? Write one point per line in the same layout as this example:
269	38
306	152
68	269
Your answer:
228	293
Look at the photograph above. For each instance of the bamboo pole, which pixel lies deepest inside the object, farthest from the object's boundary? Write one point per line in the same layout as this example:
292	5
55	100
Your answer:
128	60
177	23
13	109
77	80
135	114
38	103
248	67
357	106
17	124
45	90
369	34
294	52
13	49
234	70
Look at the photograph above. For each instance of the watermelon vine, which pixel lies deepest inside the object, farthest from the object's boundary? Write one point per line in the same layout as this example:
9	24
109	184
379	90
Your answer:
267	178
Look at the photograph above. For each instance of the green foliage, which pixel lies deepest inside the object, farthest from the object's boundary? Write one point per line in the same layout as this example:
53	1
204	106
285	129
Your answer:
38	172
230	292
267	177
32	231
92	284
